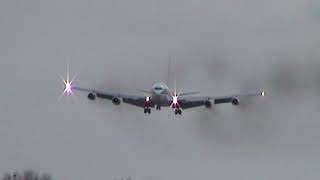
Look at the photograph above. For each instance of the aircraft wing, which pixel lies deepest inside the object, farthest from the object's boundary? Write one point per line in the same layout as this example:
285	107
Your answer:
191	102
116	98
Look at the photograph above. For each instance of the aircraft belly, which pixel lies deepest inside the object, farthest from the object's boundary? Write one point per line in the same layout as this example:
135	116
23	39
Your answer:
165	101
161	100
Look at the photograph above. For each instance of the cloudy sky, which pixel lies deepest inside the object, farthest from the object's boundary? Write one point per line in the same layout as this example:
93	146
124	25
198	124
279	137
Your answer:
220	47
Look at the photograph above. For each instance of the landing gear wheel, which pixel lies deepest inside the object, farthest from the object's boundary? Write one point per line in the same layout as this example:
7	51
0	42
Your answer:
147	110
178	111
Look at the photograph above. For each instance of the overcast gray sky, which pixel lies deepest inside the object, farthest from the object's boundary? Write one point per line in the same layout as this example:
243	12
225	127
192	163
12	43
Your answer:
220	46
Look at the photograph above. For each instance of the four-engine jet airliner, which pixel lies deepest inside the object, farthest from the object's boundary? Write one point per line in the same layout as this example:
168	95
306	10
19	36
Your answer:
159	96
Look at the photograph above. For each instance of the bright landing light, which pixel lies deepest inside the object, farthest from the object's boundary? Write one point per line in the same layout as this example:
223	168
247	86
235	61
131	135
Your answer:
67	84
263	93
68	87
175	100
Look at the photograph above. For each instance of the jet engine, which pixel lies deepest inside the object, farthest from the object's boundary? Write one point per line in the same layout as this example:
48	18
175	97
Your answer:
91	96
235	101
116	100
207	104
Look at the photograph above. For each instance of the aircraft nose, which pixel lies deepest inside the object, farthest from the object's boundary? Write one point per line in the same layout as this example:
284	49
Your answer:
158	92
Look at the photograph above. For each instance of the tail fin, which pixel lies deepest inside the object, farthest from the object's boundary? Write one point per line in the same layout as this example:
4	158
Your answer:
169	72
174	85
169	75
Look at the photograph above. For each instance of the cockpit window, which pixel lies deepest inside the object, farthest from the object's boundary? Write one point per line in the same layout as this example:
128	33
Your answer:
160	87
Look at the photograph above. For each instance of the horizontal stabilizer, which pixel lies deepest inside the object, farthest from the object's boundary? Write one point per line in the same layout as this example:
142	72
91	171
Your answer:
145	91
188	93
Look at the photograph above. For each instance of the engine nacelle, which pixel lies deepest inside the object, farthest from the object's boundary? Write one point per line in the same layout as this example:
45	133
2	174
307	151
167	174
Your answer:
91	96
116	100
207	104
235	101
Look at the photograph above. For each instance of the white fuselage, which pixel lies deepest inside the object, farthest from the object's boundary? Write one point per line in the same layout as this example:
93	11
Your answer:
161	95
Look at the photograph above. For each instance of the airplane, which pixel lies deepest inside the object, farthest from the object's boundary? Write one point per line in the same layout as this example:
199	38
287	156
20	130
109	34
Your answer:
160	95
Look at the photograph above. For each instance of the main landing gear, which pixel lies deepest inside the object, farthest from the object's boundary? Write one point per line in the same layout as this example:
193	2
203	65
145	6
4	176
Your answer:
177	111
147	110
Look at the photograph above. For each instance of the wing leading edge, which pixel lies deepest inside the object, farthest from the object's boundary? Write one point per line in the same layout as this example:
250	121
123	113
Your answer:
191	102
116	98
185	101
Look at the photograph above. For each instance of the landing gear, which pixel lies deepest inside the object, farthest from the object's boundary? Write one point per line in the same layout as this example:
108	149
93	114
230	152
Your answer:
158	108
177	111
147	110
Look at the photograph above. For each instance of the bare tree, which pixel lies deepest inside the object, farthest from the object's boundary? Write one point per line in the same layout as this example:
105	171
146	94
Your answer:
26	175
45	176
7	176
16	176
30	175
